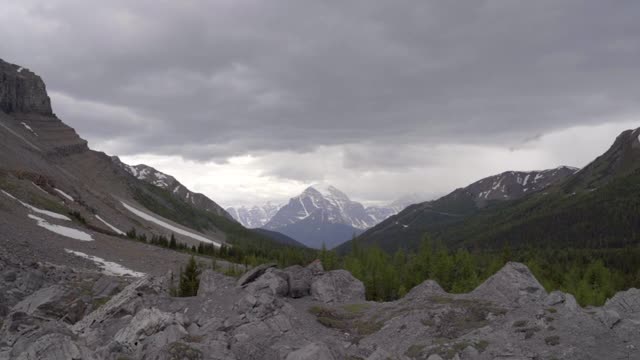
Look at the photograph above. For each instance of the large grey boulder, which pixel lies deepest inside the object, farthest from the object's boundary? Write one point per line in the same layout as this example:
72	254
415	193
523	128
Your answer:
151	322
316	267
424	291
626	303
337	286
126	303
254	273
272	280
299	281
55	302
513	285
313	351
54	347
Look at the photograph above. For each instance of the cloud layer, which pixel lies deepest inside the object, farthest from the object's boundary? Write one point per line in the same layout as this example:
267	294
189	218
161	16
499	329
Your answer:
341	88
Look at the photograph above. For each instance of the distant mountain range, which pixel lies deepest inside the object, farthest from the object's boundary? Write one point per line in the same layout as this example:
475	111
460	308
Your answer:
255	216
413	222
594	207
319	215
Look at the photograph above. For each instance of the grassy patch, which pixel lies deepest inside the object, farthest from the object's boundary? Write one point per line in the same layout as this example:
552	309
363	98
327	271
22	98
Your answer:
356	308
351	319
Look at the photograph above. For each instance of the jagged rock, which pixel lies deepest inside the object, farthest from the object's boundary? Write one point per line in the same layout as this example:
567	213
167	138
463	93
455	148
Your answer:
608	317
513	285
254	273
434	357
570	303
22	91
54	347
125	303
313	351
299	280
269	280
316	267
337	286
427	289
106	286
555	298
55	302
148	323
625	302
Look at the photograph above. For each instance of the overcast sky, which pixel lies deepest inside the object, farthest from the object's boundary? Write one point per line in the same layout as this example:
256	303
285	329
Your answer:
249	101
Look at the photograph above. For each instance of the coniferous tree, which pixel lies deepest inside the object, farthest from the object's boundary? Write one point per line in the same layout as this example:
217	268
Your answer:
190	279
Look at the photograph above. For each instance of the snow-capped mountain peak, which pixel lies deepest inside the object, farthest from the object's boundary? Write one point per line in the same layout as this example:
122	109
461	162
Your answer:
255	216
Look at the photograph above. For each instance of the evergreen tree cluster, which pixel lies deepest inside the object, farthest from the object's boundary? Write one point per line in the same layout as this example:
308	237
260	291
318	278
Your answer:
590	275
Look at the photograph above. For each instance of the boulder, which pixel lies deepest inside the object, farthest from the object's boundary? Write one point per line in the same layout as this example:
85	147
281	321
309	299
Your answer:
271	280
555	298
608	318
427	289
299	280
125	303
337	286
150	322
106	286
513	285
313	351
55	302
316	267
626	303
254	273
53	347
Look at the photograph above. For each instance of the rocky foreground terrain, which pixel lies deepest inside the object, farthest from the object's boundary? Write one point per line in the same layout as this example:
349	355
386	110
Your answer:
57	312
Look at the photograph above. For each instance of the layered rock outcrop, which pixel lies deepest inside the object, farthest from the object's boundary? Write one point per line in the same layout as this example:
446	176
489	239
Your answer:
22	91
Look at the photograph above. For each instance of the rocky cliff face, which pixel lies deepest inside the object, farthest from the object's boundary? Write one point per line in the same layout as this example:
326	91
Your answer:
56	312
22	91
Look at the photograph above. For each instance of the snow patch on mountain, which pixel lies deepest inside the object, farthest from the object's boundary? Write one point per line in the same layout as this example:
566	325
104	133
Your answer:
168	226
107	267
64	194
50	214
61	230
115	229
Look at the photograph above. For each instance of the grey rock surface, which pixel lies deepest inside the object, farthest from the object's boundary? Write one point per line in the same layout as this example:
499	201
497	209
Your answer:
22	91
337	286
254	273
299	279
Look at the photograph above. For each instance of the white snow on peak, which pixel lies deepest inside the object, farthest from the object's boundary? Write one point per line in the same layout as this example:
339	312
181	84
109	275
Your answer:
36	210
108	267
67	196
167	226
20	69
115	229
62	230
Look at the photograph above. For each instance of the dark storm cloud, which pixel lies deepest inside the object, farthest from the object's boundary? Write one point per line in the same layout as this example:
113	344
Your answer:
211	79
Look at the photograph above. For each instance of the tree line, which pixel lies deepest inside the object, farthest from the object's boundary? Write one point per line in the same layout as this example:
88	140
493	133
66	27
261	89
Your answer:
591	275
